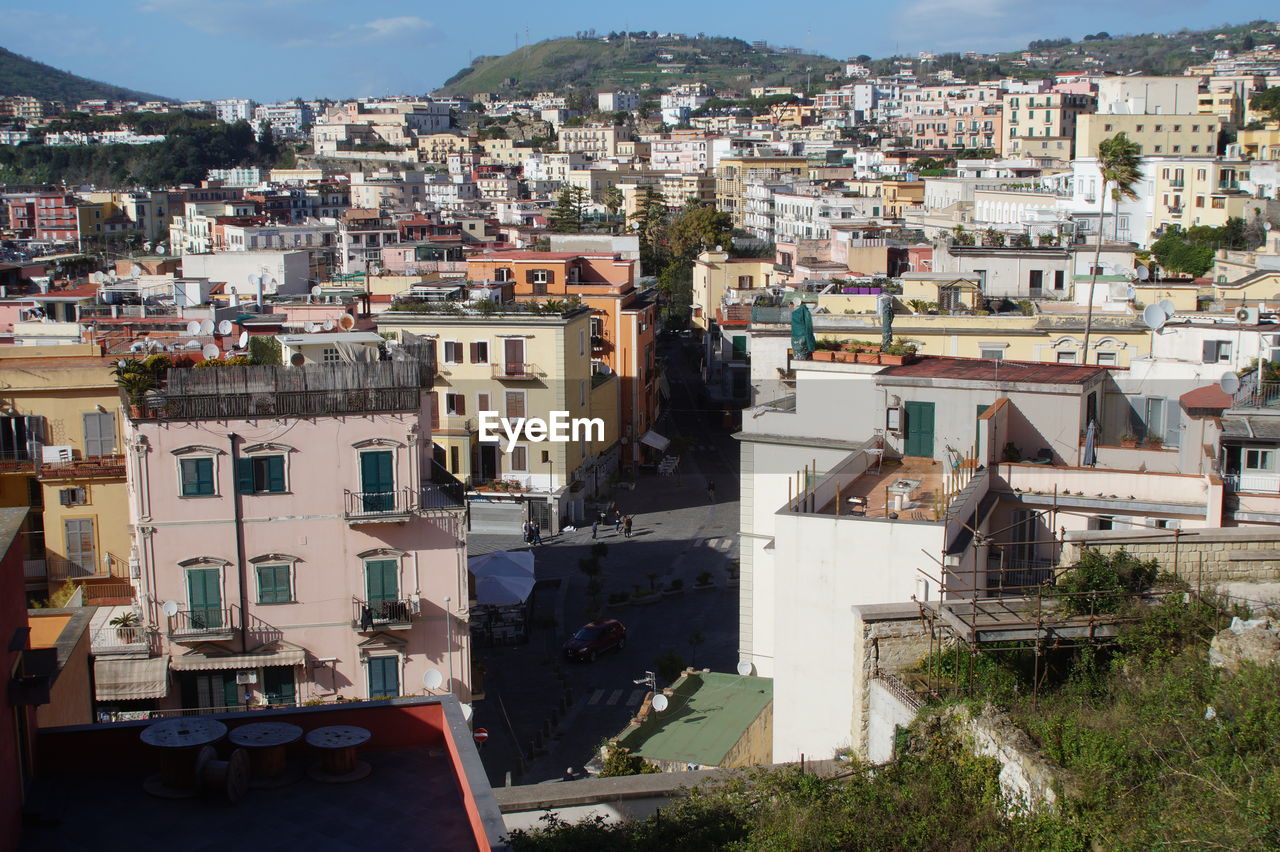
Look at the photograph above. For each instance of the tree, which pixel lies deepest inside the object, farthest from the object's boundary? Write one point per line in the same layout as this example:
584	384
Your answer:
1176	253
698	227
1120	164
566	216
650	220
1267	102
613	200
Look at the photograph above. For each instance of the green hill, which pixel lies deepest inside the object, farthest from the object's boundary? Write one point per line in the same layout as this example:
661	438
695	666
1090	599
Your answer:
728	64
22	76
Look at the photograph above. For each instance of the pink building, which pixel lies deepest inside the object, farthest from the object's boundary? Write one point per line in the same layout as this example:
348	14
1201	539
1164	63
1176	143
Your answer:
293	540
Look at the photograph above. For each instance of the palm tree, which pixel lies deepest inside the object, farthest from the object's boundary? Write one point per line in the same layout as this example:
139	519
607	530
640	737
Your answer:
1120	162
613	200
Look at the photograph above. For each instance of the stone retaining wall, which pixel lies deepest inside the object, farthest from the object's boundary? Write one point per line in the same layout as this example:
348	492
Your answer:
1203	557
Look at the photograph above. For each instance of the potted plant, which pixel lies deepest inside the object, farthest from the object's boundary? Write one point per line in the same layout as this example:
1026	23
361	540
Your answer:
674	589
127	626
702	582
1154	442
1128	439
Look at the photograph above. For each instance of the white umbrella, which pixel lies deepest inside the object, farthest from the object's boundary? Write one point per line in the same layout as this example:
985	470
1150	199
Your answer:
502	577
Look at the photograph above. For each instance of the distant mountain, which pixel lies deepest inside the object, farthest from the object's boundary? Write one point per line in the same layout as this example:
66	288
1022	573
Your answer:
728	64
22	76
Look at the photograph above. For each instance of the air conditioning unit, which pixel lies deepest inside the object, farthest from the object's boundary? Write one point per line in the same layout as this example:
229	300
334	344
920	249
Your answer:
1247	316
246	677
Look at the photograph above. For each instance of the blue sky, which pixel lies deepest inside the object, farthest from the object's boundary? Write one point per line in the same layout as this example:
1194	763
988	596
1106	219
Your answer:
272	49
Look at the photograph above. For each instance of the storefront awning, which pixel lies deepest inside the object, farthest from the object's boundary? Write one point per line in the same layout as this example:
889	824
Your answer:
653	439
130	678
219	662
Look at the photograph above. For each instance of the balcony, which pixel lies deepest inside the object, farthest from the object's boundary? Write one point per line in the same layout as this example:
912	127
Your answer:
204	624
379	507
372	616
516	372
130	639
1258	482
1176	183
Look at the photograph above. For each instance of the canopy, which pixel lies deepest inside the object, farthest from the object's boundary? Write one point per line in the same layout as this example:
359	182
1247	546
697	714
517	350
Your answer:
653	439
130	678
503	577
197	662
802	342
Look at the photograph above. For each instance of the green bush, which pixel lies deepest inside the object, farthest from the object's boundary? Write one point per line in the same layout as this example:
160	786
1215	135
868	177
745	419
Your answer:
1099	583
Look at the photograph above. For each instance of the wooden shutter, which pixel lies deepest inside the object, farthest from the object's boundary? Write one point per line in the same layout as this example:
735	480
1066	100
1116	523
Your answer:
475	353
528	276
244	476
435	410
275	474
482	402
1209	352
515	404
460	403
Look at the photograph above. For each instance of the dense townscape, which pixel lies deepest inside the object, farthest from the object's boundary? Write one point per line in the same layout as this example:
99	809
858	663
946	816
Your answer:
887	448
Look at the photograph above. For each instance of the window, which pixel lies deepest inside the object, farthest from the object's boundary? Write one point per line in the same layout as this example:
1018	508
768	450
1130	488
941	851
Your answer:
1219	203
455	404
1106	359
482	402
197	477
274	584
1199	200
480	352
260	475
1216	351
519	457
1260	460
455	462
582	343
995	354
1154	420
1066	357
330	355
384	677
1036	279
515	404
99	433
1059	280
452	352
278	686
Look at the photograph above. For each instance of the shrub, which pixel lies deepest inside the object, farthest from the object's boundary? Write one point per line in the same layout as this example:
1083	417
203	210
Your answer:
1099	583
619	761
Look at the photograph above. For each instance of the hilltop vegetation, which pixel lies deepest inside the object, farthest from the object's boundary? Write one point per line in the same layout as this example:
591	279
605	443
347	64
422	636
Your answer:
591	63
22	76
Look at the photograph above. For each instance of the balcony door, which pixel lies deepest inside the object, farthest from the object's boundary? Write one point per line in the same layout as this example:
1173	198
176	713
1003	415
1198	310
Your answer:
204	597
919	438
377	480
381	581
81	559
513	356
384	677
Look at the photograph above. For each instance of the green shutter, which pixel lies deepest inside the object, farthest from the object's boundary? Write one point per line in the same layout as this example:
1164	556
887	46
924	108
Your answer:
273	584
275	474
244	476
197	477
377	480
380	580
277	683
384	677
204	597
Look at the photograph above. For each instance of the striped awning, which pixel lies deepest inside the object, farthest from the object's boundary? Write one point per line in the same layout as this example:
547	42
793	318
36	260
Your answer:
196	662
130	678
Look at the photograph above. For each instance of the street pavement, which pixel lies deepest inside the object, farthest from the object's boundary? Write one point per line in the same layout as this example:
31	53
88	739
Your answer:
545	715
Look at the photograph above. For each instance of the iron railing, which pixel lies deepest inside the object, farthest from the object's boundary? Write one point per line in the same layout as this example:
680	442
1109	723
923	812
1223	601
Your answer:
130	639
378	505
443	490
182	712
203	622
512	370
382	615
1257	482
1017	576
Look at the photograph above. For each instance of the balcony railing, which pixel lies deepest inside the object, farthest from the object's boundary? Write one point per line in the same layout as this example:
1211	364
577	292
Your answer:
1258	482
203	623
376	506
516	371
1017	576
369	616
442	491
1253	394
134	639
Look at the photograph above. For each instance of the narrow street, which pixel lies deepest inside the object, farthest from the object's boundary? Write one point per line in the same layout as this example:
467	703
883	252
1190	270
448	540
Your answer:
545	715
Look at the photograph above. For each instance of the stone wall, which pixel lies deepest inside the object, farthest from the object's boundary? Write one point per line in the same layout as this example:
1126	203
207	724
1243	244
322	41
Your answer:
887	638
1026	776
1203	557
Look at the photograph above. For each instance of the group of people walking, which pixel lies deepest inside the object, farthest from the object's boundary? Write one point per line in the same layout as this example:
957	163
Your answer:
532	532
621	523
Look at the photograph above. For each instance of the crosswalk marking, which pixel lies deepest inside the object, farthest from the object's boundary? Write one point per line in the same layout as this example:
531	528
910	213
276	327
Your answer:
720	545
596	696
635	697
613	697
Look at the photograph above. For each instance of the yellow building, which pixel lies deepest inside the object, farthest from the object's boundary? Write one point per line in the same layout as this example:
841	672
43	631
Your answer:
898	195
1032	121
1221	100
1260	144
1200	191
733	174
1155	135
436	147
715	273
60	453
512	362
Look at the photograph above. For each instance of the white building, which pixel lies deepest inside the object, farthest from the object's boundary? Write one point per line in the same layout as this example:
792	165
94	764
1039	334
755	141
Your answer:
617	101
232	110
289	120
285	271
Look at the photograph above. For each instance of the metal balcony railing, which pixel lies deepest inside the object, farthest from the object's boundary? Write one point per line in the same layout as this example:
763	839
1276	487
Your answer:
203	622
1017	576
134	639
1258	482
383	615
395	504
508	370
442	490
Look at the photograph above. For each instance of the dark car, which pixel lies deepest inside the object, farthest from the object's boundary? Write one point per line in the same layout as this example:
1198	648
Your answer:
595	638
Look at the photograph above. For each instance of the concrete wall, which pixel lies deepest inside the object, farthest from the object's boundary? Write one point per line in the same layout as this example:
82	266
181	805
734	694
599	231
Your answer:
886	713
755	746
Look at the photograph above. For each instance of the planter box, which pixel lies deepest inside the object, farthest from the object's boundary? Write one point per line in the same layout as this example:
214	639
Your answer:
644	600
708	587
672	593
869	357
824	355
894	360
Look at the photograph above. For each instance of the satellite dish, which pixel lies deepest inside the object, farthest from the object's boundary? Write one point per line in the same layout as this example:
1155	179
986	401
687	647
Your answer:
1143	272
317	290
310	327
193	328
297	359
135	270
1154	317
346	322
432	679
660	702
206	326
1230	383
270	282
243	340
745	668
1166	306
170	608
210	351
225	327
330	324
160	249
191	344
97	277
146	246
255	280
137	346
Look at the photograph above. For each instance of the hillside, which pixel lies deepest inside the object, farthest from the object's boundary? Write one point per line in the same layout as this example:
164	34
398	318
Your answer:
22	76
728	64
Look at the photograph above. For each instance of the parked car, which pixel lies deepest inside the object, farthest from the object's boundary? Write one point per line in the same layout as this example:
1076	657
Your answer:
595	638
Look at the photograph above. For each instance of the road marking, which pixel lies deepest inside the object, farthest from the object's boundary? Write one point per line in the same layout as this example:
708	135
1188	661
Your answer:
613	697
636	696
596	696
721	545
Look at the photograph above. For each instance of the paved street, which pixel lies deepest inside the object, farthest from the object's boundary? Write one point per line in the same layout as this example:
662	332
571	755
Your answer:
533	697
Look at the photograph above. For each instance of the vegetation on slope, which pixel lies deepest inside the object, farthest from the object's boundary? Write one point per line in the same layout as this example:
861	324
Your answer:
22	76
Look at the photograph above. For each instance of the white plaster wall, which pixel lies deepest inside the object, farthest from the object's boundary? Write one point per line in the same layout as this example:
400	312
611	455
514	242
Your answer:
886	713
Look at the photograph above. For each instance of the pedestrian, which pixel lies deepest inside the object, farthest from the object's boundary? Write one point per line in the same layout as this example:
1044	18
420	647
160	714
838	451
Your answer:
711	490
626	525
537	533
528	532
595	525
617	522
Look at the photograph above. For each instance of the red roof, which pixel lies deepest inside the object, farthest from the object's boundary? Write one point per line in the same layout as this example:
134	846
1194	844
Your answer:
1208	398
981	369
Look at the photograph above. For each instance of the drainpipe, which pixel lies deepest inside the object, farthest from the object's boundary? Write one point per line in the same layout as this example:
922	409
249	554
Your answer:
237	518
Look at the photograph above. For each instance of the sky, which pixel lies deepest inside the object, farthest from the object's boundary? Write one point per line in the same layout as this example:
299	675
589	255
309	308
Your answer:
276	49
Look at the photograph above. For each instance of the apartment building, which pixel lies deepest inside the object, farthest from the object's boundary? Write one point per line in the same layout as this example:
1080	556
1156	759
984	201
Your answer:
597	142
1200	191
511	360
688	156
436	147
1042	124
715	274
232	110
617	101
290	120
623	319
735	174
294	541
1189	134
361	236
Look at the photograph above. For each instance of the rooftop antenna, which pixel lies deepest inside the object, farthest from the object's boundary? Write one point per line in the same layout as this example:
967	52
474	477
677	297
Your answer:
210	351
193	328
206	327
225	327
1154	317
432	679
660	702
243	340
745	668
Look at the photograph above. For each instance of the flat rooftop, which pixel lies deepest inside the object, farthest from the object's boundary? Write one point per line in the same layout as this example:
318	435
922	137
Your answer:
981	369
708	713
919	480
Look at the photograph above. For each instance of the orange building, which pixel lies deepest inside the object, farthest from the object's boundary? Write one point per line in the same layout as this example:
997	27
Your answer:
622	320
